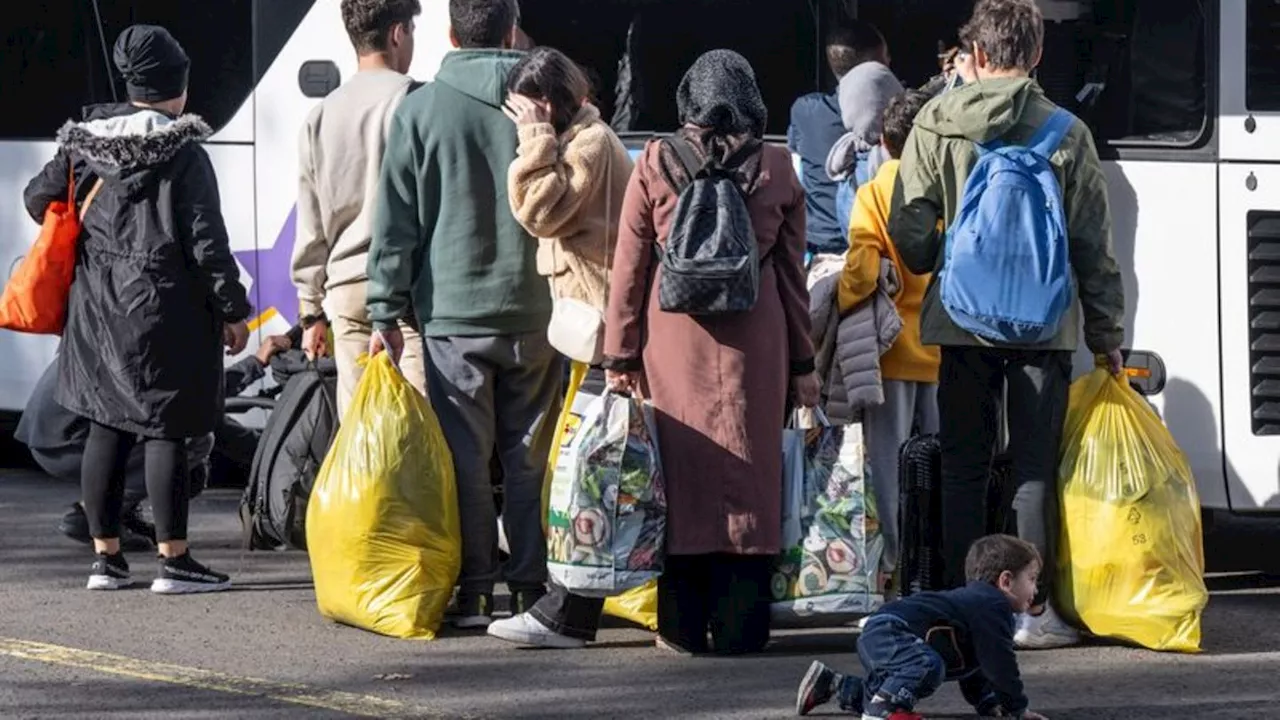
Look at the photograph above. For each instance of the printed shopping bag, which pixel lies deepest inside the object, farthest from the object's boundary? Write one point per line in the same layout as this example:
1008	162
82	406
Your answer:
1131	557
829	573
608	514
383	532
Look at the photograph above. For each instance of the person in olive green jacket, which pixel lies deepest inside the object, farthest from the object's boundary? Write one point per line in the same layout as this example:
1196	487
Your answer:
447	249
1005	40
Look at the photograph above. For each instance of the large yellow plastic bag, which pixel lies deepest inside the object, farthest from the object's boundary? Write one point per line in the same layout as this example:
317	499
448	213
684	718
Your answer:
382	522
637	605
1131	561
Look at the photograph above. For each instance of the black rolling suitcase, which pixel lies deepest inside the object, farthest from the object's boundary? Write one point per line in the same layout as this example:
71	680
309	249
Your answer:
920	511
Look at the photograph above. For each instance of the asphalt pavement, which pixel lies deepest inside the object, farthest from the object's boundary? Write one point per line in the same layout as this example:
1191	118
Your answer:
262	651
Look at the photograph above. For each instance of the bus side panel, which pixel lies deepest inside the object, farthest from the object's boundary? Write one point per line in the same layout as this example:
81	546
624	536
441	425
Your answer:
1165	238
24	356
1249	263
27	356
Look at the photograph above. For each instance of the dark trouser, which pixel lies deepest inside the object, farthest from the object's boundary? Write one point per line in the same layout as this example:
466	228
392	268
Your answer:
969	394
502	390
234	446
898	666
570	615
68	464
723	593
102	480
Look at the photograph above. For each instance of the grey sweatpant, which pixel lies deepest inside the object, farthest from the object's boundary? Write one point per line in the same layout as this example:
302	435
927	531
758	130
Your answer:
907	405
503	389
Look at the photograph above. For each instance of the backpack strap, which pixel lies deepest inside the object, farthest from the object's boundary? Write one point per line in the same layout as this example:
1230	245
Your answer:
688	156
1046	140
688	160
1052	133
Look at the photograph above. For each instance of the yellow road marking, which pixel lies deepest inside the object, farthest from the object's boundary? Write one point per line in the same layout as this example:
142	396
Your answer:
297	694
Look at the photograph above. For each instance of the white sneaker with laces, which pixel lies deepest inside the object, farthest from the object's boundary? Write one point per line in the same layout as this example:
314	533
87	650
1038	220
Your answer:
1045	631
524	629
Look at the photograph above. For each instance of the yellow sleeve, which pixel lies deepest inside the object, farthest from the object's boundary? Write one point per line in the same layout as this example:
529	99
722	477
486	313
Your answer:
862	263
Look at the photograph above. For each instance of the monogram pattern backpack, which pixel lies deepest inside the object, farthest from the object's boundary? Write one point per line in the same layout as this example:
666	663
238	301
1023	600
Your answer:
711	262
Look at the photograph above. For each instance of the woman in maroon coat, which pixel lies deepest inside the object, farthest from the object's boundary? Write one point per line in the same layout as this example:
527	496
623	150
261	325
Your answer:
719	384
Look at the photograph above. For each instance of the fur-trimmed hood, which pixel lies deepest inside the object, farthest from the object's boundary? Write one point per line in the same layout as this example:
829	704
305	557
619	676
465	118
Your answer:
127	144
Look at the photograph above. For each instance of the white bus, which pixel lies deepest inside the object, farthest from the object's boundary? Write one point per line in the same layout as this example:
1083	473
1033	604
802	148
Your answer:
1182	95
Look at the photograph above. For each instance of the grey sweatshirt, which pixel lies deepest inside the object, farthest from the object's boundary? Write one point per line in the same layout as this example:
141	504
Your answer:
339	161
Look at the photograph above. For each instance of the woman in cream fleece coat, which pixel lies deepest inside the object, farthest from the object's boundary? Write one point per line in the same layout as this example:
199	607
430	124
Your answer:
566	188
567	184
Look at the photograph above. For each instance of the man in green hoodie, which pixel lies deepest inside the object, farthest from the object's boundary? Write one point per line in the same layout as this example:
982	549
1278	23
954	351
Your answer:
1005	39
447	249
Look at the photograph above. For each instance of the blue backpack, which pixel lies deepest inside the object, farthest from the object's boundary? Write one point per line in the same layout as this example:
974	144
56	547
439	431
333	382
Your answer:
1007	274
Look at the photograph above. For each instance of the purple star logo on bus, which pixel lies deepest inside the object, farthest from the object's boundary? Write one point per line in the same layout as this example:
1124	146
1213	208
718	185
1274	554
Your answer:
270	270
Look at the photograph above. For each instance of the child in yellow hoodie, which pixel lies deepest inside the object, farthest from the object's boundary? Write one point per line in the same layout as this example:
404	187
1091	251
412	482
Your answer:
908	369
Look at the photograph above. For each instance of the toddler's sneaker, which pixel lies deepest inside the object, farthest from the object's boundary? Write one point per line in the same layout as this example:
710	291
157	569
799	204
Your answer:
109	572
1045	631
822	684
475	612
182	575
881	708
817	688
524	629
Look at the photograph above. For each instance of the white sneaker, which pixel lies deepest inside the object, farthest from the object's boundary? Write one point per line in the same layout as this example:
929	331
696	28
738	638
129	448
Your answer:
524	629
1045	631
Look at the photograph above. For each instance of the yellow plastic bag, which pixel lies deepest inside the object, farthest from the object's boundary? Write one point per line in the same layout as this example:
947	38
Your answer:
637	605
566	424
1131	560
382	521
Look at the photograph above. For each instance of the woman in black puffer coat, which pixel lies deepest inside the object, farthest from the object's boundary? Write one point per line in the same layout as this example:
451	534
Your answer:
156	297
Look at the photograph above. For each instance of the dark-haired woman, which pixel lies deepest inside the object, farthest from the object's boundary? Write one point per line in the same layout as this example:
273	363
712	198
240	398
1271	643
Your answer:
566	188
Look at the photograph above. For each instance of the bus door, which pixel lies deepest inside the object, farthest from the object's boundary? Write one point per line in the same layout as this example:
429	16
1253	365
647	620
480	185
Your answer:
1249	251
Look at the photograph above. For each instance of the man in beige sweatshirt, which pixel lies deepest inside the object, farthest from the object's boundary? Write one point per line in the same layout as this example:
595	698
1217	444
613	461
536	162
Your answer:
340	158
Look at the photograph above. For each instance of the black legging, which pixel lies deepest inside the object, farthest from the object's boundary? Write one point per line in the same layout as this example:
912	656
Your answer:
102	476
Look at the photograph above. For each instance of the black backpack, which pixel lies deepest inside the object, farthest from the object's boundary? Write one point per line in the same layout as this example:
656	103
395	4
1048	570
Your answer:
303	423
711	263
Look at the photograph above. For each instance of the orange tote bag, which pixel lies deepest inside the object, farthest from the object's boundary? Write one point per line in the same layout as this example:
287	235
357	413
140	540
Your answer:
35	298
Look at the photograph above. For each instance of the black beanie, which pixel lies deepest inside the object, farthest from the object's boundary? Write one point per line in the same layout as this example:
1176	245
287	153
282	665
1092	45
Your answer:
153	64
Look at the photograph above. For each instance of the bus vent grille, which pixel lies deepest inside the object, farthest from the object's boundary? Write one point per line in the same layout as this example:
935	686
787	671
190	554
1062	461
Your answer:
1264	321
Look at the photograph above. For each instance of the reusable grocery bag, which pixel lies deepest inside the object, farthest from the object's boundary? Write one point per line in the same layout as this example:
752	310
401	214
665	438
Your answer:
1131	558
830	573
35	297
382	522
637	605
608	515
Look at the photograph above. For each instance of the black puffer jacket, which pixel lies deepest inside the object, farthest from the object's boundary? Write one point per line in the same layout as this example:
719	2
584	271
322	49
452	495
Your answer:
155	278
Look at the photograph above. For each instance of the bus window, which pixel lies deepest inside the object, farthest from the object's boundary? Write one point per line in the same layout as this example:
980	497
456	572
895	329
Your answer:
218	37
55	61
1262	58
1150	58
660	39
51	66
1134	70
